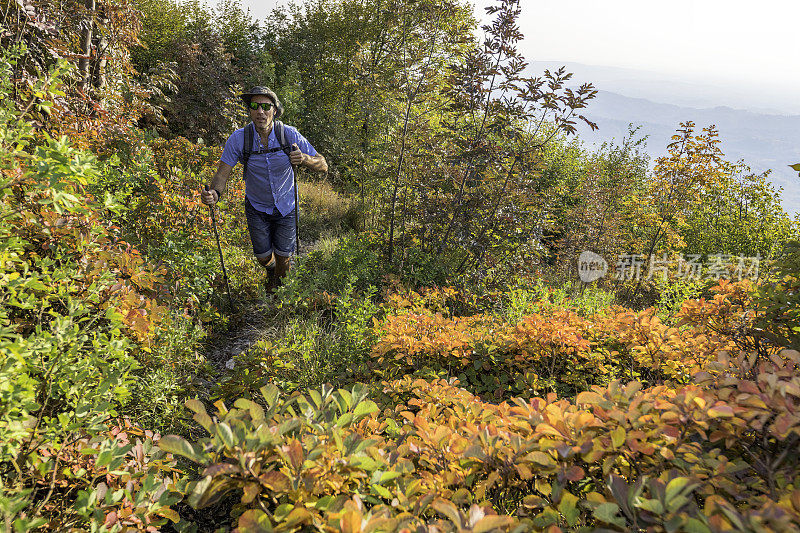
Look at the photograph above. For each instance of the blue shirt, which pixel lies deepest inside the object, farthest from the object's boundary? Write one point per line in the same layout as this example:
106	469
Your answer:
269	183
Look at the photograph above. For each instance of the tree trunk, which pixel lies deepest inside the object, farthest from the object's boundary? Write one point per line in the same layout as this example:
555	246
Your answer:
99	63
490	217
84	63
397	182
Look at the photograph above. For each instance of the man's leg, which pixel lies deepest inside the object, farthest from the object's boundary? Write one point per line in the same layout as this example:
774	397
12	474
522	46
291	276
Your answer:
284	241
269	265
258	224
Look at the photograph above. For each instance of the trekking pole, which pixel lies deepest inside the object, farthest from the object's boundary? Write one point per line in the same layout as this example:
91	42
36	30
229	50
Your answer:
221	260
296	212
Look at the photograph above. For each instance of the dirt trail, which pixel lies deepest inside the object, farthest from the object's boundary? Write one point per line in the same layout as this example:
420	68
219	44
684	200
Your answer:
245	328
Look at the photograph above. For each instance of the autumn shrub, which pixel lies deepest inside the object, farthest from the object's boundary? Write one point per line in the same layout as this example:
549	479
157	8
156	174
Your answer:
556	348
730	312
548	351
164	214
654	352
446	301
316	461
574	463
77	304
420	334
714	455
156	184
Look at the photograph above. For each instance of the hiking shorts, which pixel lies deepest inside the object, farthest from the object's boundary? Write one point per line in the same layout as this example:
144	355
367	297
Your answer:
270	233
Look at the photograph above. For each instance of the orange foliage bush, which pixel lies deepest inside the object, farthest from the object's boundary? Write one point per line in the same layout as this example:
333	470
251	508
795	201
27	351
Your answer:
676	352
715	455
557	349
733	438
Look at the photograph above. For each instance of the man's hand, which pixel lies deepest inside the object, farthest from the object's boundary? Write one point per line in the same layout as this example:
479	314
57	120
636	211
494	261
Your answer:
296	157
209	196
316	163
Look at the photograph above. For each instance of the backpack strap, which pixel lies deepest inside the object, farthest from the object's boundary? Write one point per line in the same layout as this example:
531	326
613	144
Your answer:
247	149
280	134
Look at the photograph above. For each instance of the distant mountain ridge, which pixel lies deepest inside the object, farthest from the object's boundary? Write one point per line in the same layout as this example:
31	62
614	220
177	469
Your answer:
763	141
681	90
760	126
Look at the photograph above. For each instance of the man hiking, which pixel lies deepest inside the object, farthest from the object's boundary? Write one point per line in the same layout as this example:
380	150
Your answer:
269	179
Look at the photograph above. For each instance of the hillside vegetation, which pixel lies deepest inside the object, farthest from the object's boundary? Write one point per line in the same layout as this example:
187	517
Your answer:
433	362
764	141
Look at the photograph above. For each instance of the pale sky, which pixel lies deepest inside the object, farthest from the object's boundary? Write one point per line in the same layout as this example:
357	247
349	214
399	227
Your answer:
747	42
730	40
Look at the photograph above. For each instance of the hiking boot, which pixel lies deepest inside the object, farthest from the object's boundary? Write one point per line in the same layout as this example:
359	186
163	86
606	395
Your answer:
282	265
272	278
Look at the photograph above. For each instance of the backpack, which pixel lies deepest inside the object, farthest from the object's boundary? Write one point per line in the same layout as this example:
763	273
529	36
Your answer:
249	131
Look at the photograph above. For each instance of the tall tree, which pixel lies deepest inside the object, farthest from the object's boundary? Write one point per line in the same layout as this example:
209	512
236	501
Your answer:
694	162
495	125
593	199
195	60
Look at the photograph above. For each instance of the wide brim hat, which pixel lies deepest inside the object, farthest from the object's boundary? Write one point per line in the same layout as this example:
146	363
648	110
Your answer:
260	90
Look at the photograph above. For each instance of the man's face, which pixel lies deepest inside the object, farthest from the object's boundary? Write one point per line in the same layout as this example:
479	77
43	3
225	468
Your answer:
260	117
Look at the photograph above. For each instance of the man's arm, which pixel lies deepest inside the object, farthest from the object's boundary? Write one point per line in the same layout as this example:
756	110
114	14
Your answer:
218	183
316	163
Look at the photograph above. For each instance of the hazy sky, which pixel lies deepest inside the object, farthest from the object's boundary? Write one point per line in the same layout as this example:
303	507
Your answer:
753	43
729	40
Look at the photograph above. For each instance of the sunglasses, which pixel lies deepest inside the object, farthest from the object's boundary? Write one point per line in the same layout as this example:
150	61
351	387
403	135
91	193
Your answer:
266	106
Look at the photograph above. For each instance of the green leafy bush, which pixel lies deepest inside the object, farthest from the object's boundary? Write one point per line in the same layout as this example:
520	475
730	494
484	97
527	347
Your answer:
309	351
531	295
76	305
673	292
777	299
313	283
